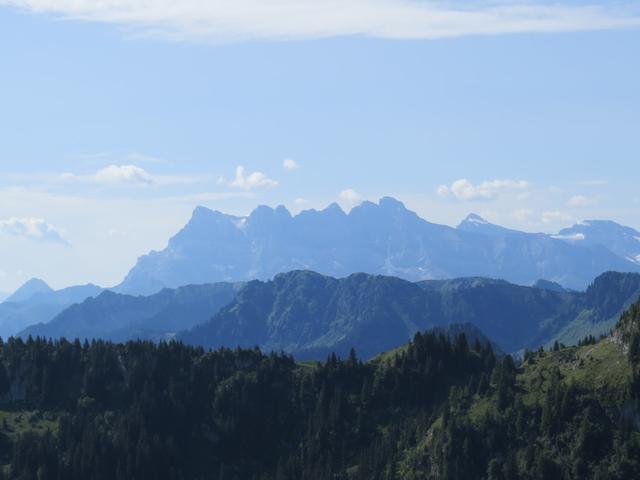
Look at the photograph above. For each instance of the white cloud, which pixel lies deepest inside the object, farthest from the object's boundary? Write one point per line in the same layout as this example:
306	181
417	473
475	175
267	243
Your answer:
114	175
252	180
464	190
301	201
216	20
289	164
131	176
33	228
581	201
350	195
349	198
443	191
123	175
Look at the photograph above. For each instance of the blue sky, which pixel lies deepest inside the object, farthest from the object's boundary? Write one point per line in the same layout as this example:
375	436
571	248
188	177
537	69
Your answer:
116	121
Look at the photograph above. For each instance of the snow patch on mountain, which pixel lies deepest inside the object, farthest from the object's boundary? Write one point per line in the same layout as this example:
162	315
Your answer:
473	218
569	238
241	223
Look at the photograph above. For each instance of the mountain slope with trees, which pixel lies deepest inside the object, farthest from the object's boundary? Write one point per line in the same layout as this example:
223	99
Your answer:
436	409
310	315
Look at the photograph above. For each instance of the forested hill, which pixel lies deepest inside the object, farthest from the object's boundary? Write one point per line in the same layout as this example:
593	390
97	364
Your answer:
436	409
311	315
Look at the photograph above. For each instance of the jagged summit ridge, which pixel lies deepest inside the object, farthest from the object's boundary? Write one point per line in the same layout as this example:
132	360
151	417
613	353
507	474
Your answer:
379	238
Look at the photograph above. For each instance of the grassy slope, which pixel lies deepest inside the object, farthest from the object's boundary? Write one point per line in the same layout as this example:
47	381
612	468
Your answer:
586	323
602	367
388	356
16	422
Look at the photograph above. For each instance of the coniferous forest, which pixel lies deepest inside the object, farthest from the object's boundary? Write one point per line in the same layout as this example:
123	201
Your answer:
433	409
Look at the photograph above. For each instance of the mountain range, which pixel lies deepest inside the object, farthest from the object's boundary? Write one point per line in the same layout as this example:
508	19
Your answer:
378	239
384	238
310	315
36	302
119	317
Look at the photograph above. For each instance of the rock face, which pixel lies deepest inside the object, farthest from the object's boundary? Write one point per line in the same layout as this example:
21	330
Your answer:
383	238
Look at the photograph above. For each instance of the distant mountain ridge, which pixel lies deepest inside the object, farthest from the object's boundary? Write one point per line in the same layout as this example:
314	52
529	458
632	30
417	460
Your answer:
118	317
36	302
311	315
29	289
384	238
621	240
